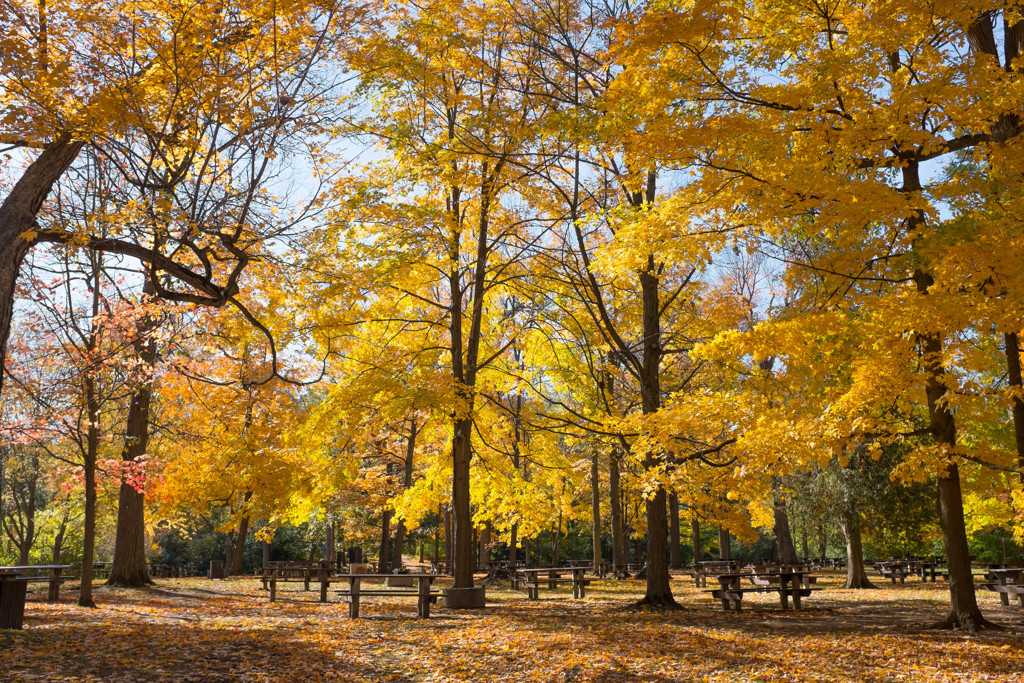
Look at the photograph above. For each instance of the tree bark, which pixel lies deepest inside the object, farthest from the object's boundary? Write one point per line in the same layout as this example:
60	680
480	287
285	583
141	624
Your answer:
128	568
89	471
400	531
58	539
615	503
448	538
724	545
239	549
595	508
462	519
485	543
675	561
698	551
856	576
18	218
659	590
384	558
787	549
1012	350
803	539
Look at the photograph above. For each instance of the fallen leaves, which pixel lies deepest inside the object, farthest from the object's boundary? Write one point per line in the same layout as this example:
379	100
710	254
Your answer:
200	630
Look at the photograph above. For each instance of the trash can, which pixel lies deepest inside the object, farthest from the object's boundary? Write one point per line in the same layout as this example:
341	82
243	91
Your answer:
12	600
216	569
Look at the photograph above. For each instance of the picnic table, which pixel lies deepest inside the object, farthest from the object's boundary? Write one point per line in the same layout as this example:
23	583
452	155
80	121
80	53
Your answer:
304	572
700	571
788	582
425	596
530	579
14	582
901	569
1007	581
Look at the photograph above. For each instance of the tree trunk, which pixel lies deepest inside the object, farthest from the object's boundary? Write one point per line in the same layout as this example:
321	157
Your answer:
822	541
1012	349
803	539
448	548
787	549
964	611
675	562
698	552
329	551
659	590
724	545
89	470
235	568
526	552
595	509
18	219
128	568
462	519
856	576
437	534
485	543
58	539
384	557
400	532
615	503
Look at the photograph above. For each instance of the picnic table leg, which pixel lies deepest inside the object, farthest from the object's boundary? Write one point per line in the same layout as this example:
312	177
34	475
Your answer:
353	607
551	584
273	588
1004	597
305	580
264	577
796	592
423	607
324	583
783	592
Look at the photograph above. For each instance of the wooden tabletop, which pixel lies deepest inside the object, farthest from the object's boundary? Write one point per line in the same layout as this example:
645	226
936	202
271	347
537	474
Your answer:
420	575
35	566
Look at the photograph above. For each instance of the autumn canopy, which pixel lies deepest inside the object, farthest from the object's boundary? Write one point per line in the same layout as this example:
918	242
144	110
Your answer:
523	282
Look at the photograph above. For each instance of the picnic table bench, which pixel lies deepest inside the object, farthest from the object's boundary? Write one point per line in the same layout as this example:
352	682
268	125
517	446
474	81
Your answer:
14	582
531	579
787	582
425	596
1006	581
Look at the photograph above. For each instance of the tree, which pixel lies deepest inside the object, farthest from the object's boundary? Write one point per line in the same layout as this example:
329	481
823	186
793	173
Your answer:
171	95
857	105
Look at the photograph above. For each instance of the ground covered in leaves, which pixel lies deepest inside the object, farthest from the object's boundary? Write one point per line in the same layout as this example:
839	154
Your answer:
200	630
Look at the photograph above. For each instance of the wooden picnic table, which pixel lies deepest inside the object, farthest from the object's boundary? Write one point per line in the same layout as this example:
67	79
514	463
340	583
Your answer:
1007	581
531	579
789	582
700	571
422	591
320	571
14	582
